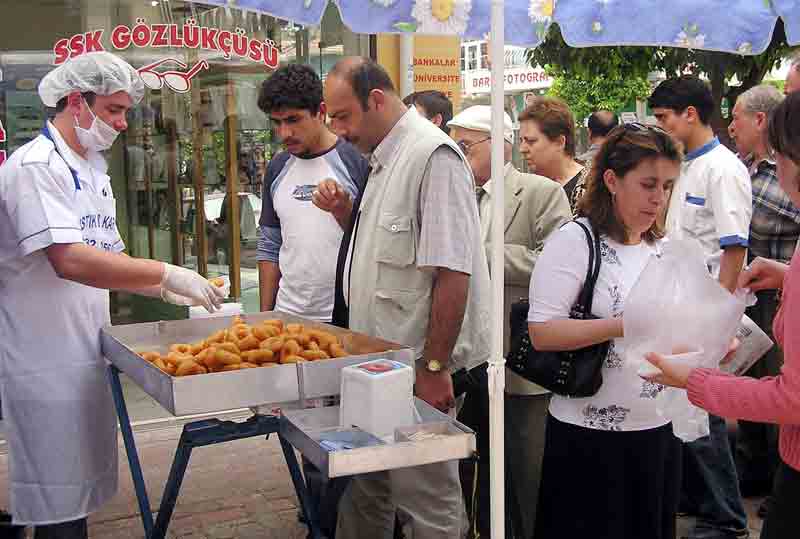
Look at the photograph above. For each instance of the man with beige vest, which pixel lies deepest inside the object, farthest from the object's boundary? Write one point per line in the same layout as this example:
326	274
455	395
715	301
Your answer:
411	270
534	207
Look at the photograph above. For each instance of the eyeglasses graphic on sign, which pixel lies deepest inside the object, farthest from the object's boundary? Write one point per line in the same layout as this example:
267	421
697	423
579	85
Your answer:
177	80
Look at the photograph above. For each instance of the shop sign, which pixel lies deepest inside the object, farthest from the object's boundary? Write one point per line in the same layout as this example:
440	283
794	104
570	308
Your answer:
186	36
437	66
516	79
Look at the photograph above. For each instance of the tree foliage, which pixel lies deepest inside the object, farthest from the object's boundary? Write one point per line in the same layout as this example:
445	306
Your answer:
623	63
587	95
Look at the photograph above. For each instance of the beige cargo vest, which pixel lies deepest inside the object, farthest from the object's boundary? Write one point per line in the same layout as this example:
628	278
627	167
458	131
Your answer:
389	297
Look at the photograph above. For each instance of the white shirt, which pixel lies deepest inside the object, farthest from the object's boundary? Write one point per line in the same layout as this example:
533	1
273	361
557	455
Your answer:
38	191
624	402
302	239
712	202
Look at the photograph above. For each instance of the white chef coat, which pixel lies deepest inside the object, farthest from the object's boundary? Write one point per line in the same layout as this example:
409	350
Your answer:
712	202
57	405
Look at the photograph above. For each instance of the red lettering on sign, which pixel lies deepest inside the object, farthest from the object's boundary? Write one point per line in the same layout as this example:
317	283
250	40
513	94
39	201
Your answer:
61	51
76	45
2	156
92	40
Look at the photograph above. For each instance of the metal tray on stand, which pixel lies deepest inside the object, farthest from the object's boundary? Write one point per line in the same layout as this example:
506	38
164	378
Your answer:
215	392
341	451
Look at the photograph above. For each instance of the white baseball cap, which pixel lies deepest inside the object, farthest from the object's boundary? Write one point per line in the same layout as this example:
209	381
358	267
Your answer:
479	118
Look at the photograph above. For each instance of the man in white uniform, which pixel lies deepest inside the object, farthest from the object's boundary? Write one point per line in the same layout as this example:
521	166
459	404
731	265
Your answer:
60	253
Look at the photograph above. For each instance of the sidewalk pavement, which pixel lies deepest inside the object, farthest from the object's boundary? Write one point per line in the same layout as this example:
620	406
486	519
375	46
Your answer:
240	489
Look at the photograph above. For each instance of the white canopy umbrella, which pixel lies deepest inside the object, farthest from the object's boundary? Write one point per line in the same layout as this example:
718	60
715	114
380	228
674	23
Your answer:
736	26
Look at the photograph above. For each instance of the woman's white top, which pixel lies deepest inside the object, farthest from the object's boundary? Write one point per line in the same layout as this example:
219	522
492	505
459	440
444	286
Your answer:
625	402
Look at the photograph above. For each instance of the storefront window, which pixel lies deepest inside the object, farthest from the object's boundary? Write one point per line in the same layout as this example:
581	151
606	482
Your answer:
198	135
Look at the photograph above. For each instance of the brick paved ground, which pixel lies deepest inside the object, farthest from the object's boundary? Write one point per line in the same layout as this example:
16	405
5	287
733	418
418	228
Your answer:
235	490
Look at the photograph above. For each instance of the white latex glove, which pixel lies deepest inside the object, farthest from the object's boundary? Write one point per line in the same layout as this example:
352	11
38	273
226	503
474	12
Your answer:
175	299
190	285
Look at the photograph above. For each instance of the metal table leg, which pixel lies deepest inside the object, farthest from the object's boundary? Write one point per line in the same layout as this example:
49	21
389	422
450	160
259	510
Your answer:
172	488
309	513
199	434
130	449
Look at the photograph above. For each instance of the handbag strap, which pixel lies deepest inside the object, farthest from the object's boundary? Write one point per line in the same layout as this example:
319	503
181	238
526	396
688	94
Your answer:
586	297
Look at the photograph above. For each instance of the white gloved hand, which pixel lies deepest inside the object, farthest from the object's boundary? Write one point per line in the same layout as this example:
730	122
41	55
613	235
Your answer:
176	299
190	285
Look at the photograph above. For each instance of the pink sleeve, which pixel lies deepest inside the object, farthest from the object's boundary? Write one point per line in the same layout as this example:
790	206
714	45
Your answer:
768	400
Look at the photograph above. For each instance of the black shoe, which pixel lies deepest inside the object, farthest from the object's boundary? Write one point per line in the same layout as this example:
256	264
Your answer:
764	508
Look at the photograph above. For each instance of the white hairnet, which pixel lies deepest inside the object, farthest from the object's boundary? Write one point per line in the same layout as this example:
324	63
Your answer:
101	73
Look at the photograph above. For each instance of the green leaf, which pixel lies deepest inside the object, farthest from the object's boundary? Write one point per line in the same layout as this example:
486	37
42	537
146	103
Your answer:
408	27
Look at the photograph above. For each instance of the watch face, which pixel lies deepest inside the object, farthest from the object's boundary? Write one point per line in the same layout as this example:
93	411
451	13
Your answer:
434	366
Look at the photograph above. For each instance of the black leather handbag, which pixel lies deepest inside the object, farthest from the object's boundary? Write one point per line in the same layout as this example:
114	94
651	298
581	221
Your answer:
573	373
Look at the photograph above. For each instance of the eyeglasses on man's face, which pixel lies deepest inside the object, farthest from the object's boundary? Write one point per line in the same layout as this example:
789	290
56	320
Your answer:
465	146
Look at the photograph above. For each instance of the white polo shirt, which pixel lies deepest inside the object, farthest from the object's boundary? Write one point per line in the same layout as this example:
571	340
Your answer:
712	202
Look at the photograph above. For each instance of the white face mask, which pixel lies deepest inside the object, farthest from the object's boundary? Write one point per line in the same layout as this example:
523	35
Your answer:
99	137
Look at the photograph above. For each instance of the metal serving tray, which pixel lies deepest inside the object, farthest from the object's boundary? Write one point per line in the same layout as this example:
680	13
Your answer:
436	437
236	389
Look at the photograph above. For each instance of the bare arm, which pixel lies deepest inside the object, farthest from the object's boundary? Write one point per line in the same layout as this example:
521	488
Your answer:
730	266
560	335
102	269
450	292
269	276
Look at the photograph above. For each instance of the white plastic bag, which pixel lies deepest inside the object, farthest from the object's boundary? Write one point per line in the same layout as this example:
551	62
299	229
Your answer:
676	308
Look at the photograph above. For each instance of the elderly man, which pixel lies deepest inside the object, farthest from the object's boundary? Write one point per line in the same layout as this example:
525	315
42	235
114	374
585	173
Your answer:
600	123
534	207
411	270
774	232
793	76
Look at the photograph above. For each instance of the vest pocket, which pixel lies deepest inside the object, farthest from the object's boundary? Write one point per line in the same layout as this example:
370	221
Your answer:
397	319
395	240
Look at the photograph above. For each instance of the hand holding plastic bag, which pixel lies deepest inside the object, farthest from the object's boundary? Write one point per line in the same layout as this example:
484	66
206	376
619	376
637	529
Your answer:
678	309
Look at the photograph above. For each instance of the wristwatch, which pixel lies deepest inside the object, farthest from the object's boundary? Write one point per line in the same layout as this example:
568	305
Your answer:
433	365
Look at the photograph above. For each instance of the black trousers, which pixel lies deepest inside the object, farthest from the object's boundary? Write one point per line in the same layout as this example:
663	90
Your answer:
783	518
757	443
75	529
608	485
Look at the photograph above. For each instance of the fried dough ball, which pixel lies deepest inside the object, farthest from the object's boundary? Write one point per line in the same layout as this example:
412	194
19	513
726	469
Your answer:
182	349
259	356
294	328
217	337
313	355
249	343
337	350
150	356
273	343
290	348
292	359
188	368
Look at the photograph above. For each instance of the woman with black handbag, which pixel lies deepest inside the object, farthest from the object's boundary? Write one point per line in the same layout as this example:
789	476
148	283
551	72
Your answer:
611	464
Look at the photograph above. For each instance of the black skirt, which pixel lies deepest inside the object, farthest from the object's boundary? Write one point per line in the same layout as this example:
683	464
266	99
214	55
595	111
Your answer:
608	485
783	518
